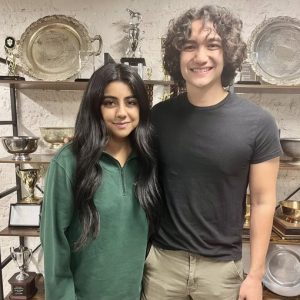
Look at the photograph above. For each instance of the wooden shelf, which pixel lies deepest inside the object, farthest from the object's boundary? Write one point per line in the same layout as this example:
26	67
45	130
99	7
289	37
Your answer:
46	158
61	85
275	239
266	88
284	165
35	158
20	231
81	85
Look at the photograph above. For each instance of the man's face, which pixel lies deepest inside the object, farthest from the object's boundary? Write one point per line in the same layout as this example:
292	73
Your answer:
201	59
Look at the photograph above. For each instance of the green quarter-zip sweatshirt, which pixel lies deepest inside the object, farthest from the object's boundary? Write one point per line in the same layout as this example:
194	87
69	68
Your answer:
110	267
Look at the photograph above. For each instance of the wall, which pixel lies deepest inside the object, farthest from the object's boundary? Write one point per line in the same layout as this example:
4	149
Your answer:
109	18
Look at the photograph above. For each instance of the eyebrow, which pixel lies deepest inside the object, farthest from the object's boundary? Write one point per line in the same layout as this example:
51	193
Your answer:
209	39
113	97
214	39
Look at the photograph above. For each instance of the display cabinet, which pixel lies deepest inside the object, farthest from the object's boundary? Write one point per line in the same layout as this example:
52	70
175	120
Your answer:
45	159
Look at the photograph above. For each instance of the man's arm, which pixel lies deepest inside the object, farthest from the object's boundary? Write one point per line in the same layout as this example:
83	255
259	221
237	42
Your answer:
262	184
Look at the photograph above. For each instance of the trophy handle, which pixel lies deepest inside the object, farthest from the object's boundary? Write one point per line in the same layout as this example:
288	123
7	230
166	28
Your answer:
99	39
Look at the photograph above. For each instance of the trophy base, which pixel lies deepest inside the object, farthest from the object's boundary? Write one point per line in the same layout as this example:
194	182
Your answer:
22	289
133	61
248	82
7	77
32	200
81	80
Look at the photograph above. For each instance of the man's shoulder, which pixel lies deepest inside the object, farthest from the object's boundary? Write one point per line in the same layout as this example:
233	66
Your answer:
248	106
167	104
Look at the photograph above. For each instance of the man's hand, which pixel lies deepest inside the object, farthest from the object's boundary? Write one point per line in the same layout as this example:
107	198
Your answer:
251	289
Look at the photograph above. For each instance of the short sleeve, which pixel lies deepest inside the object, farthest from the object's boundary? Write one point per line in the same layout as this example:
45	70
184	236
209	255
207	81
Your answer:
267	141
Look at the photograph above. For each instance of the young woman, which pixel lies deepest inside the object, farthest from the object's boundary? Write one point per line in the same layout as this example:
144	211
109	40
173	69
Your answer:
101	194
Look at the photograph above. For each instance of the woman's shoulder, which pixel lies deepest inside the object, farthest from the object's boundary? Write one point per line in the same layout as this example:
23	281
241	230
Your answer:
65	157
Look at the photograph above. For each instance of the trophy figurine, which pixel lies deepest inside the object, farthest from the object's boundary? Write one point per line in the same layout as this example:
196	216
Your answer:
29	178
133	53
9	46
22	284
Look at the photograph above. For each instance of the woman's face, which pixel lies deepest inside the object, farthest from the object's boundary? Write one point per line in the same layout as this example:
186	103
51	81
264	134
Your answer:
120	110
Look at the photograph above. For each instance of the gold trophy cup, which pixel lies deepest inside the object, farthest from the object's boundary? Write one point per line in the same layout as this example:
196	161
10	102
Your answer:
29	178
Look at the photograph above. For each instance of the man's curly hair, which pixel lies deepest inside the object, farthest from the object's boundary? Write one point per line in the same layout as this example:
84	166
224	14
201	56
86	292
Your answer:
226	25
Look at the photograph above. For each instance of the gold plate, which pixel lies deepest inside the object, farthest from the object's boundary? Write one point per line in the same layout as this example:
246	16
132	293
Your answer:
55	48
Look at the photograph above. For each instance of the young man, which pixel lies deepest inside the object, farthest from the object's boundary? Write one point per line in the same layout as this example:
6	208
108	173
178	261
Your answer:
211	144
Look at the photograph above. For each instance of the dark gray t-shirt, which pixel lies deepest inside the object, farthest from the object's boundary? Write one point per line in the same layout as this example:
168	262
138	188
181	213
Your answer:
204	157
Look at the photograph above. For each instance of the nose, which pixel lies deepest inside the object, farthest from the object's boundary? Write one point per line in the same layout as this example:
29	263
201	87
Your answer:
121	111
200	55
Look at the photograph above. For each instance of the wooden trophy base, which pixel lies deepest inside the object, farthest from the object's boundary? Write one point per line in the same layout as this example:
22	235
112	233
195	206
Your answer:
286	229
133	61
22	289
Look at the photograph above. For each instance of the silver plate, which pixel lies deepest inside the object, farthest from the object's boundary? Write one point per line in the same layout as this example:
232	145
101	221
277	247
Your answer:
283	270
55	48
274	50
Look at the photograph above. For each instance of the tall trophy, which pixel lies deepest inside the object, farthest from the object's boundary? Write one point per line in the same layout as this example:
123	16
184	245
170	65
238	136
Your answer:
29	178
22	284
11	53
133	55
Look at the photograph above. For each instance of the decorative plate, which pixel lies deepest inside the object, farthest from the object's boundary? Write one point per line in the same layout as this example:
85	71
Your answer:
274	50
283	270
55	48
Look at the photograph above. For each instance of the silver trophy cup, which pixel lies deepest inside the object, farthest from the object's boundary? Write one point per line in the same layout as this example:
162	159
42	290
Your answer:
22	257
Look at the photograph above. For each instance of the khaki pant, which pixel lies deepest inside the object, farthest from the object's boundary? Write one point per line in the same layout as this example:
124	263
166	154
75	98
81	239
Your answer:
180	275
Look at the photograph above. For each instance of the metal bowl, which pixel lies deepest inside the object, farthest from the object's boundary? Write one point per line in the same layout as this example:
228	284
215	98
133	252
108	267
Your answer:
291	210
20	146
291	147
57	136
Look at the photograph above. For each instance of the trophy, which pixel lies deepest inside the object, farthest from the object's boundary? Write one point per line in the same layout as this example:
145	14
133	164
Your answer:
247	74
29	178
133	52
162	51
9	46
22	284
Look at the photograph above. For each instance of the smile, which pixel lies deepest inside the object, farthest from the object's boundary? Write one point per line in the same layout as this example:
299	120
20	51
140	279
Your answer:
201	70
121	125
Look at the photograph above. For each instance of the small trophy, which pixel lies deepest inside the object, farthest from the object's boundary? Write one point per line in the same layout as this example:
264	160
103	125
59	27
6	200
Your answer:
162	50
247	74
29	178
133	53
22	284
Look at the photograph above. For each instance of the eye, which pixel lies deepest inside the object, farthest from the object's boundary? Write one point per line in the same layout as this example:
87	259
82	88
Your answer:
214	46
188	47
108	102
132	102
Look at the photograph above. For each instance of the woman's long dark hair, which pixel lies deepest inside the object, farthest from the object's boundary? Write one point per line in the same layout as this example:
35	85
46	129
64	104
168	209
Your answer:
91	138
